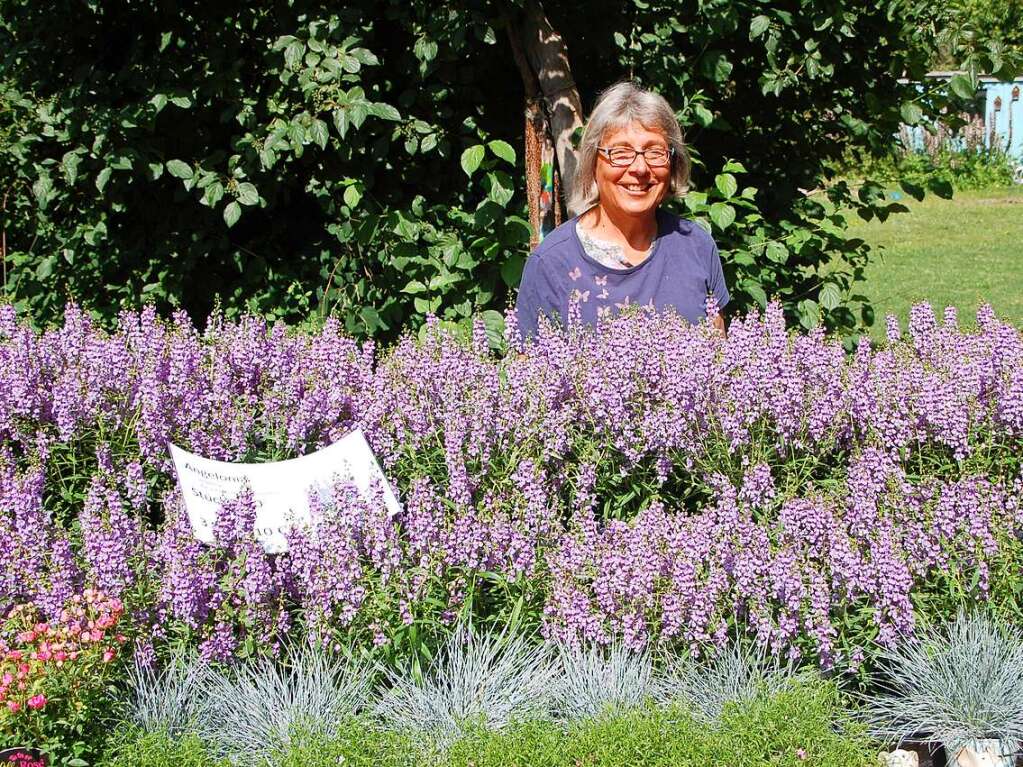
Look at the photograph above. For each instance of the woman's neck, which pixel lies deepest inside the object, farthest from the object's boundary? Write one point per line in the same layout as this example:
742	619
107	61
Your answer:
637	233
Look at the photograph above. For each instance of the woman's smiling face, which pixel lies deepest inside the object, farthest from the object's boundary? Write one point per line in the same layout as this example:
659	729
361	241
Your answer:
638	189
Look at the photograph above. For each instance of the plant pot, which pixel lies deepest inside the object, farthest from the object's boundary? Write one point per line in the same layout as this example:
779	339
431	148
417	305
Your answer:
981	752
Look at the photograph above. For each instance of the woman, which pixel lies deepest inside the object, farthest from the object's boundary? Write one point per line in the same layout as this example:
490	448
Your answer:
622	250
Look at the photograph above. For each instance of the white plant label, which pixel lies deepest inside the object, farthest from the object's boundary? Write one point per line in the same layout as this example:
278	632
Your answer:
281	489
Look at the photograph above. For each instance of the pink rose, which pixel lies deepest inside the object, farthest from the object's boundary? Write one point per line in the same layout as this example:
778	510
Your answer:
108	654
36	702
26	636
13	706
14	655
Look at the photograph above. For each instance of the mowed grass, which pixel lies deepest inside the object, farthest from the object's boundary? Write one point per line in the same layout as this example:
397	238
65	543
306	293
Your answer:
961	252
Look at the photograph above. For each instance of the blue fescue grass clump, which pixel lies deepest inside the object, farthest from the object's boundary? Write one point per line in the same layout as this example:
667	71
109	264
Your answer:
953	684
595	680
486	679
170	699
739	674
264	707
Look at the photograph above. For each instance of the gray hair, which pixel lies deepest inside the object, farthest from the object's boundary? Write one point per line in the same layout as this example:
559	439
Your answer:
619	106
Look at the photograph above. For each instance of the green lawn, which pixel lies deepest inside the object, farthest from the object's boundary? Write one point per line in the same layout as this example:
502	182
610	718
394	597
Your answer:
960	252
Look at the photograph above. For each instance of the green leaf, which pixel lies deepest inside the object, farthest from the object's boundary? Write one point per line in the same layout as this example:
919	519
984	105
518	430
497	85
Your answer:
159	101
722	214
181	101
756	291
293	54
232	212
102	178
499	188
413	287
715	66
940	187
915	191
911	113
777	252
809	313
503	150
384	111
511	270
830	296
963	86
247	194
703	115
471	159
45	268
179	169
319	133
726	184
358	113
214	194
425	50
340	122
695	200
70	163
352	196
365	56
758	26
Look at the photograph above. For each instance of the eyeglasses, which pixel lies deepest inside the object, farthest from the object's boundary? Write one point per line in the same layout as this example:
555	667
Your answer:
624	156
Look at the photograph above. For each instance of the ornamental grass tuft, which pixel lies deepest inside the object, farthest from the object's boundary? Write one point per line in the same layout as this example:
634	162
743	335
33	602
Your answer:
952	684
477	679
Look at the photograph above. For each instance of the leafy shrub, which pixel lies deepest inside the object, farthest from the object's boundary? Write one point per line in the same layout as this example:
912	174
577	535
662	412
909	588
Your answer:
963	169
53	675
320	172
140	748
804	724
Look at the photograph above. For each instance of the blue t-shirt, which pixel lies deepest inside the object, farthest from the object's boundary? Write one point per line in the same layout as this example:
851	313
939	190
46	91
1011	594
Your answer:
680	273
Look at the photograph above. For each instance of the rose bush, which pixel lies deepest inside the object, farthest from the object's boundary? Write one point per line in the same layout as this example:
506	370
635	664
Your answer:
53	673
649	480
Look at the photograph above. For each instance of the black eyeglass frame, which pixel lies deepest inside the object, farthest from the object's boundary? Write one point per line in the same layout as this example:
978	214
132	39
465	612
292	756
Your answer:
606	151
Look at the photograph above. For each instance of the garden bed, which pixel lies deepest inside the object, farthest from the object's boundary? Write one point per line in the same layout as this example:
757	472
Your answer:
651	484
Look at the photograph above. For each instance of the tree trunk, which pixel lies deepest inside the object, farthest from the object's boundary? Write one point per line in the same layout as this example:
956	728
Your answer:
542	57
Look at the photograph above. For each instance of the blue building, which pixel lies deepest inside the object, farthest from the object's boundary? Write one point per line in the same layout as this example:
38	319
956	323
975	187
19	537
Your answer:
1003	116
997	120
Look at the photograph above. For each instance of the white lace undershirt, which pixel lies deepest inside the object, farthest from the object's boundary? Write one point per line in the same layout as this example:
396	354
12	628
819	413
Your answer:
609	254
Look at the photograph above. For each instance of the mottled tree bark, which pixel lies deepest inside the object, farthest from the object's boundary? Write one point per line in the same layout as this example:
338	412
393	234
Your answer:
548	56
553	108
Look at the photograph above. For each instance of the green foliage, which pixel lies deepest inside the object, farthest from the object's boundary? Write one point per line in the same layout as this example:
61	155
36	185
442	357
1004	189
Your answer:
293	162
134	748
290	161
959	170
